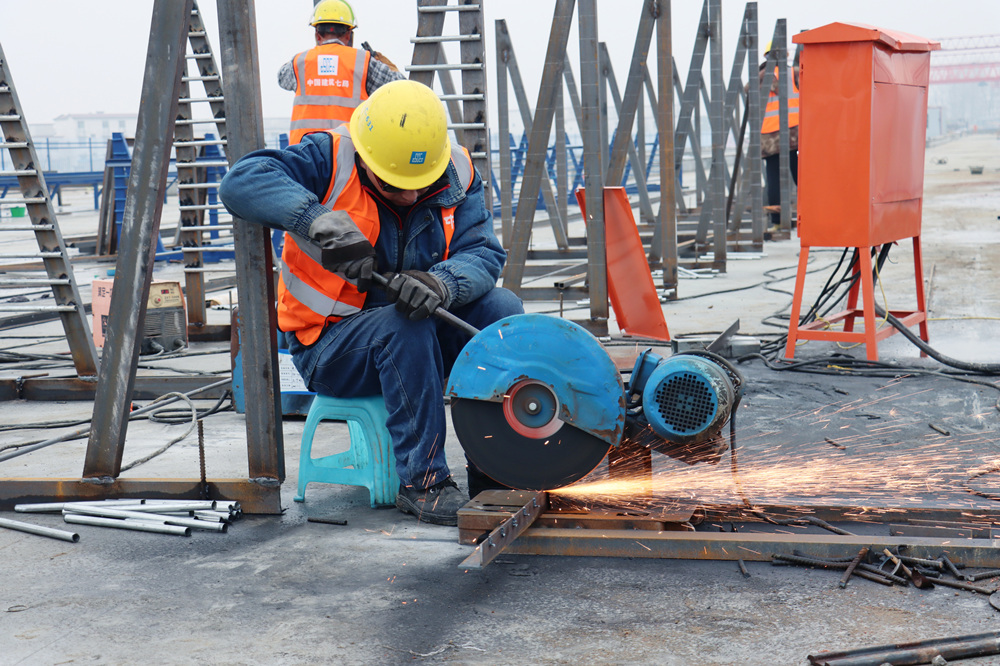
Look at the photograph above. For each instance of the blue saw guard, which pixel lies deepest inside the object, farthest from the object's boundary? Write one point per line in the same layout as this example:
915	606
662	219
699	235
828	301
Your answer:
557	352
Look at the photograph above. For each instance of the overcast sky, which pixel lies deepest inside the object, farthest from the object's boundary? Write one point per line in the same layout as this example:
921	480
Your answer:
87	56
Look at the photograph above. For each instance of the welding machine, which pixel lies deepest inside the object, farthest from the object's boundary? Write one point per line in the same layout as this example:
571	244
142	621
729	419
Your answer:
165	325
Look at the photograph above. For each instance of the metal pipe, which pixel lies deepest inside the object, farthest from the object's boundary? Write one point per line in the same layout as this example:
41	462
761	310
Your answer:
39	530
136	515
179	505
137	525
56	507
904	654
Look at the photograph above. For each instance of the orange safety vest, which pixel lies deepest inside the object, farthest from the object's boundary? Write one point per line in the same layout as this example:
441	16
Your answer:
330	82
771	111
309	296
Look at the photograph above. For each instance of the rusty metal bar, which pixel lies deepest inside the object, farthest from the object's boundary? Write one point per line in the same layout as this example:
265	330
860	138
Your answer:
728	546
503	53
667	218
780	49
253	497
716	199
921	652
53	389
755	119
252	244
143	205
505	533
593	152
614	175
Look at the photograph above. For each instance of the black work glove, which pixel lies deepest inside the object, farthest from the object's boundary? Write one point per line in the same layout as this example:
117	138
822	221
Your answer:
345	249
417	294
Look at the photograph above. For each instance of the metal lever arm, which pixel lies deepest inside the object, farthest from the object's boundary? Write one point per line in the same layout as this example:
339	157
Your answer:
440	313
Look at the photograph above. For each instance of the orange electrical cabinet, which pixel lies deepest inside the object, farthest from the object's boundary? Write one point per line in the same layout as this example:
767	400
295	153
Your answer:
863	122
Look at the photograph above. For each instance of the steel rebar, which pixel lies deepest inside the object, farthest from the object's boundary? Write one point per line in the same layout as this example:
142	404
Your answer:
853	565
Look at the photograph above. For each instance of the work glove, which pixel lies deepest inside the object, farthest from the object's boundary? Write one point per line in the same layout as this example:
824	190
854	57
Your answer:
345	249
417	294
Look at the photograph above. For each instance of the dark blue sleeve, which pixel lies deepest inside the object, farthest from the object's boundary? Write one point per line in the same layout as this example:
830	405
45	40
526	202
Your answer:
281	189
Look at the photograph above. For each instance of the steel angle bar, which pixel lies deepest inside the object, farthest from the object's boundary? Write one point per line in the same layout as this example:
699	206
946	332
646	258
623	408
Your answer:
755	120
140	228
506	532
686	116
669	193
593	151
39	530
562	162
251	496
780	50
254	253
614	175
541	127
626	105
717	176
503	53
557	221
731	546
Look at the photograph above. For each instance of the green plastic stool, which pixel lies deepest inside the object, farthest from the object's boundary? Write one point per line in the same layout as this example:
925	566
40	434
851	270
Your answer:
368	462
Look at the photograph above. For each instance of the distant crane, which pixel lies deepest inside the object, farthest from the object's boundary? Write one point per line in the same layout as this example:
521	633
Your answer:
966	60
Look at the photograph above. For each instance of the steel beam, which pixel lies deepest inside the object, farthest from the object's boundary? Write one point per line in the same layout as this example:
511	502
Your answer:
556	220
252	243
667	217
593	152
717	187
534	169
729	546
143	205
55	389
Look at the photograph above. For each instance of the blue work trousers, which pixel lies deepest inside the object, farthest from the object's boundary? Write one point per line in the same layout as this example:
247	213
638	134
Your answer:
381	351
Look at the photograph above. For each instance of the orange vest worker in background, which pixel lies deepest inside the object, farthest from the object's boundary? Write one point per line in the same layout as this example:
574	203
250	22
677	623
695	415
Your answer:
333	78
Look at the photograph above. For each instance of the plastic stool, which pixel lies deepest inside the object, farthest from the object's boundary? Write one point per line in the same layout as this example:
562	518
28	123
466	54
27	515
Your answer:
368	462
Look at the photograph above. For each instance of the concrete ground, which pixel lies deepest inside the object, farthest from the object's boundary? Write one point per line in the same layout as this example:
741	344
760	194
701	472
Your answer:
385	589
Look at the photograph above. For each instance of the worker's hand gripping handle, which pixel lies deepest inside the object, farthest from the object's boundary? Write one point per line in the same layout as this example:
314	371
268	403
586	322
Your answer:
440	313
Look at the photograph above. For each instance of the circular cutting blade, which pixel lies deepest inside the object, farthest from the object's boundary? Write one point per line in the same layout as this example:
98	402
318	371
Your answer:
513	459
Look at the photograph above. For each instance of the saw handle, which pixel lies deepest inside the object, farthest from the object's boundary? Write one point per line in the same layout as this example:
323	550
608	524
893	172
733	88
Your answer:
440	313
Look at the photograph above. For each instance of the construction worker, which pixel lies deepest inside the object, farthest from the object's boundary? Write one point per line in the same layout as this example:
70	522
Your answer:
769	136
386	192
332	78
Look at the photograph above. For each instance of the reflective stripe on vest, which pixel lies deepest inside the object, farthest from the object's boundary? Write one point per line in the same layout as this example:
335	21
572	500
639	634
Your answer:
772	111
330	82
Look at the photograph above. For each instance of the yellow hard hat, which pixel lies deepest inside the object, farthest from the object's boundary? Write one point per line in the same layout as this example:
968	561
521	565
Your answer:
401	133
767	49
333	11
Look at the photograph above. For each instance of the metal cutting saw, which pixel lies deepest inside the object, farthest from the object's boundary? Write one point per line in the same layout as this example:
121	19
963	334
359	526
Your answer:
537	403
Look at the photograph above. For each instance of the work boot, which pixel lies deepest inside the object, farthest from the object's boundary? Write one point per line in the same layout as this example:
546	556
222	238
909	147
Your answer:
437	505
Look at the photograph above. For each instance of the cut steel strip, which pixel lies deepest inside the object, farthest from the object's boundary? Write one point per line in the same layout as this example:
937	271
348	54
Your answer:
505	533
